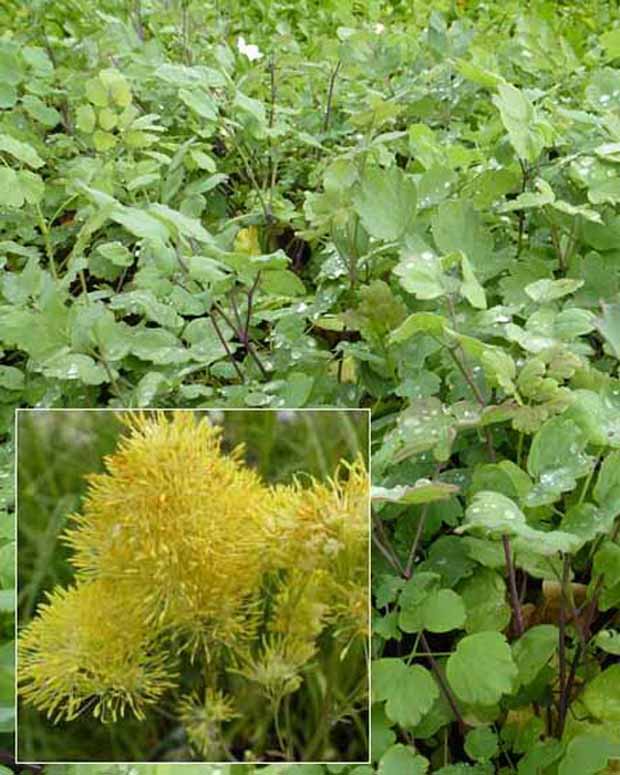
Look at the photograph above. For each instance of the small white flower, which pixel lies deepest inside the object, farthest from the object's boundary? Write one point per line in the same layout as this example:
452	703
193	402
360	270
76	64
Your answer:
379	28
249	50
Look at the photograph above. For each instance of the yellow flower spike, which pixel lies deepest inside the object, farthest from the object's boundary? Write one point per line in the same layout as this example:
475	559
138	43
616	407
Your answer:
172	507
89	650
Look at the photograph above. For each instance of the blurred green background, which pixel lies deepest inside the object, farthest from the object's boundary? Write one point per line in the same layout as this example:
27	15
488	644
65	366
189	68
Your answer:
55	449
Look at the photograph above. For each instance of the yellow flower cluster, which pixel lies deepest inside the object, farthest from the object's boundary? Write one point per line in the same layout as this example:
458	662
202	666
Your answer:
182	547
88	649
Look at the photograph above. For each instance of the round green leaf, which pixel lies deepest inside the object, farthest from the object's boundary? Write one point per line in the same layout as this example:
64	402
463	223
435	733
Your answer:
481	743
481	669
602	695
409	691
484	595
533	650
401	759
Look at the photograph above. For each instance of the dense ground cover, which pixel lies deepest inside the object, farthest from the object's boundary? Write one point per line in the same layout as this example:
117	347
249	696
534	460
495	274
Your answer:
410	207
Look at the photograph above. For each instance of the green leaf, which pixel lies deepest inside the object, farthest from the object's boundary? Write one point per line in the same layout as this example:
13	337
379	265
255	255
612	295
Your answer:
608	641
117	86
409	690
96	92
533	651
188	227
421	274
255	109
587	521
519	118
386	203
31	186
497	515
597	415
381	734
556	459
481	669
423	606
481	744
605	192
423	491
494	513
484	595
448	557
200	102
11	194
587	754
400	759
610	41
158	346
457	228
116	252
543	291
471	288
424	424
8	95
281	282
607	563
140	223
85	119
602	696
75	366
504	477
21	151
11	378
607	488
39	111
419	322
609	326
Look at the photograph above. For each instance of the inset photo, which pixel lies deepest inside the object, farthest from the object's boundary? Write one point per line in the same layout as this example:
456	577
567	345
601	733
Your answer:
193	586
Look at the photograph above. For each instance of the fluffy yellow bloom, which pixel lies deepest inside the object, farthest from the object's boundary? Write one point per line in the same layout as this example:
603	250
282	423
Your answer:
182	546
88	649
182	523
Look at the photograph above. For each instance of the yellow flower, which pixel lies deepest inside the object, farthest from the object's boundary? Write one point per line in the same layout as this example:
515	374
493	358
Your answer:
202	719
325	525
88	649
181	523
277	668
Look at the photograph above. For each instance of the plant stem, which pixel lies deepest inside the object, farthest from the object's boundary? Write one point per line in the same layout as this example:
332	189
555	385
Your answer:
512	586
443	684
567	691
220	336
416	542
49	251
385	547
239	332
330	95
562	643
